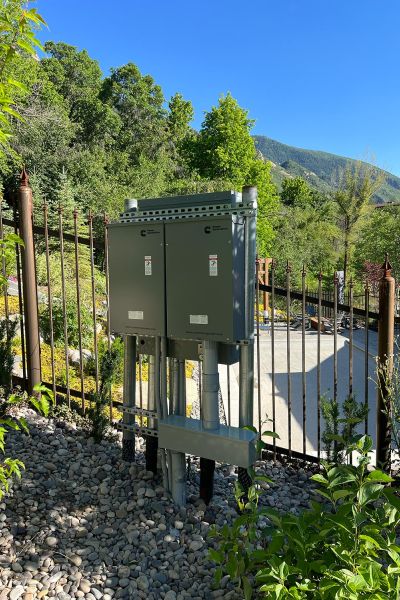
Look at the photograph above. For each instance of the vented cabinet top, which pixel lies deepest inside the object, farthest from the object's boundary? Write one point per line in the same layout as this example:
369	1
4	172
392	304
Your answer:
229	197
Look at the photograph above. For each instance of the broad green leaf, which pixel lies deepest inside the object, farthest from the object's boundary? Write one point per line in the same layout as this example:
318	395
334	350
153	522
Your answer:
247	589
215	555
272	434
379	476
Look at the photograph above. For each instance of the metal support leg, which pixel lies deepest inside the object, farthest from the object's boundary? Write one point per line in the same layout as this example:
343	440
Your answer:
178	459
246	399
128	437
246	384
151	441
210	413
159	383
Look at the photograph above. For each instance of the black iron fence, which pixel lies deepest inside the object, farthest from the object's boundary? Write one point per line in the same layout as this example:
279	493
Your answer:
310	345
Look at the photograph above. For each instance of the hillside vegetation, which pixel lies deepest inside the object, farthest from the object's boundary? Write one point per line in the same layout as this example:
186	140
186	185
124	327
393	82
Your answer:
319	169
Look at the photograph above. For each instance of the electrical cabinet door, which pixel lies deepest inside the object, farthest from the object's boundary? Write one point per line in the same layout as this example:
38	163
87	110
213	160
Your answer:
136	267
205	279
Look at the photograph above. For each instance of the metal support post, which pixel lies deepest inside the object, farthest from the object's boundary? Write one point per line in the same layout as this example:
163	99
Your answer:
31	318
178	407
385	366
210	413
246	365
159	404
151	441
246	399
246	384
210	385
128	437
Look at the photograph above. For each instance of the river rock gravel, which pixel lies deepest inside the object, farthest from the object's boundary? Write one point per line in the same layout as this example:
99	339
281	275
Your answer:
83	523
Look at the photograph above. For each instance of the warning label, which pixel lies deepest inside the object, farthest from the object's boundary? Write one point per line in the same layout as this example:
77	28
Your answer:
147	265
198	319
213	265
136	315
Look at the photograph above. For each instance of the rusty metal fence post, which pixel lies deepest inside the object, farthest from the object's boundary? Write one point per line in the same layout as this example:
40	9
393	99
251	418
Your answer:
385	365
31	318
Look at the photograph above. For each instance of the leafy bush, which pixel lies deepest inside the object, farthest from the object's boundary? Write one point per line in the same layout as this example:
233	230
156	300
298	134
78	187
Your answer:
41	402
97	414
343	547
339	431
388	381
63	413
8	328
72	325
102	349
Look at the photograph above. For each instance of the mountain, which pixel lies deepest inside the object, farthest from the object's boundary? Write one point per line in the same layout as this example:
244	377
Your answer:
320	169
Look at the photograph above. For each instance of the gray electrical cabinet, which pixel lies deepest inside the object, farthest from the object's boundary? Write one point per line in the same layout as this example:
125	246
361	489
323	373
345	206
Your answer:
205	267
137	271
182	282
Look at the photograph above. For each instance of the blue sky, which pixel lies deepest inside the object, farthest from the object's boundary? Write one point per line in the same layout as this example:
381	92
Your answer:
319	74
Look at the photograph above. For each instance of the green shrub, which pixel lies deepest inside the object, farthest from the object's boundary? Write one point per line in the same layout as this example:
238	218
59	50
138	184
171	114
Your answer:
102	349
41	402
343	547
72	325
97	414
339	431
8	328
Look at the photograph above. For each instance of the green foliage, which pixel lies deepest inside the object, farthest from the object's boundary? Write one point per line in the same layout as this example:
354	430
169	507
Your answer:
97	414
138	101
224	148
180	115
17	43
318	168
344	547
102	350
379	233
72	324
388	382
296	192
339	431
305	236
8	328
356	187
41	401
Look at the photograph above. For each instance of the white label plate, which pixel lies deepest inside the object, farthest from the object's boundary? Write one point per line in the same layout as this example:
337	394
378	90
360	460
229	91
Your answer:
136	315
198	319
147	265
213	265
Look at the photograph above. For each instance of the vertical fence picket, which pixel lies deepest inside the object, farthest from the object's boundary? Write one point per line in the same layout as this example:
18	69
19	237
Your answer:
319	366
228	379
366	357
257	312
289	378
351	324
64	302
20	299
49	297
3	266
106	271
273	312
335	338
93	282
303	356
140	368
78	306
